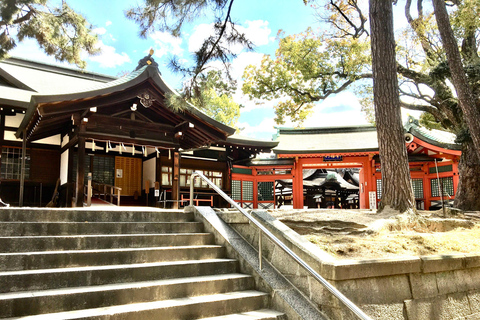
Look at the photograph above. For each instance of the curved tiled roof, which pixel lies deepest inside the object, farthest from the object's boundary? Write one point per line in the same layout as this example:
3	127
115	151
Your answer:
327	140
438	138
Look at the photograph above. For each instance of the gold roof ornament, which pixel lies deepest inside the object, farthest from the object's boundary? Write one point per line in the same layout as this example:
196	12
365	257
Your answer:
151	51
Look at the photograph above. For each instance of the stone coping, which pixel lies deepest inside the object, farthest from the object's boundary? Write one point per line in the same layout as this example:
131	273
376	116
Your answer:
346	269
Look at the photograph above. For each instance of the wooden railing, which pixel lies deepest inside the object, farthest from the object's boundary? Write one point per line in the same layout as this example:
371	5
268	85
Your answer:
101	190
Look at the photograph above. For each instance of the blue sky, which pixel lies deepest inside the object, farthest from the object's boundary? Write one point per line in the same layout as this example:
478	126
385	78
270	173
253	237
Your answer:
122	48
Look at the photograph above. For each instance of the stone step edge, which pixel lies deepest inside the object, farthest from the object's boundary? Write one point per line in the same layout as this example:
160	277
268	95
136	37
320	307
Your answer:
119	250
111	267
98	222
126	235
250	315
146	306
118	286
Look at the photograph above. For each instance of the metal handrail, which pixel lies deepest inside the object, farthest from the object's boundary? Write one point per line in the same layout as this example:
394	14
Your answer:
349	304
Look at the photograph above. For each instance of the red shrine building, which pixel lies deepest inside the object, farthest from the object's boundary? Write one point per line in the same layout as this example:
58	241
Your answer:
304	158
61	128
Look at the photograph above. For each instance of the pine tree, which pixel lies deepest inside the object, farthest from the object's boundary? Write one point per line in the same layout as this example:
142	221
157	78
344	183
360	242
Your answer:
59	31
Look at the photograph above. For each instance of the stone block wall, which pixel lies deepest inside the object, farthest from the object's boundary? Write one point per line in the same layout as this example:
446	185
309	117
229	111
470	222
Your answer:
406	288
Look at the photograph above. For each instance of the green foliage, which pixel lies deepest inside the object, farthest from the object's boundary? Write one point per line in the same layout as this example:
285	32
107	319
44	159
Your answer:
171	15
214	98
307	68
59	31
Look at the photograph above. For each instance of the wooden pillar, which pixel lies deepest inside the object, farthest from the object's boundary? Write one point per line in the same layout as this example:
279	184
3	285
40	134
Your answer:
79	194
427	190
2	135
69	189
255	190
176	179
158	170
456	178
368	180
297	186
22	172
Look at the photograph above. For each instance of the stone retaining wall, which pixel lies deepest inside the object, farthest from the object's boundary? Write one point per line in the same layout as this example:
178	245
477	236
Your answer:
407	288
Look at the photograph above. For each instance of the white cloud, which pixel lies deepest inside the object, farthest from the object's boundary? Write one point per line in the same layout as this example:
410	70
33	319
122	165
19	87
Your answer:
343	109
109	58
264	130
100	31
256	31
108	23
165	44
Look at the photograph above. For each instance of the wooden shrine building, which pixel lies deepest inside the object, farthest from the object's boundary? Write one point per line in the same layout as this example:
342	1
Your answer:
59	123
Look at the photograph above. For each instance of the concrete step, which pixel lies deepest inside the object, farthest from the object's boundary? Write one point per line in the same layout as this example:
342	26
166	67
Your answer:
86	242
44	279
59	300
263	314
8	229
78	258
120	214
182	308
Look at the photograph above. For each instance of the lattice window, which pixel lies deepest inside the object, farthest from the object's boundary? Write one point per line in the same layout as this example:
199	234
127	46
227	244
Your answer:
265	191
417	185
103	170
12	163
166	176
446	185
237	190
379	189
247	191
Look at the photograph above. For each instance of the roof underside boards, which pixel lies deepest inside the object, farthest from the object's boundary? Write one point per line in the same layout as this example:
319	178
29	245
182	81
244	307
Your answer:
152	123
327	140
13	97
239	140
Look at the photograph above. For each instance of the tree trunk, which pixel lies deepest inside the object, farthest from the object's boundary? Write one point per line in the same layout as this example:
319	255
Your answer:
467	198
459	79
397	190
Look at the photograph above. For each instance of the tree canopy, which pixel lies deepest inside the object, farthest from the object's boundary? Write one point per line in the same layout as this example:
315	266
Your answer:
171	15
308	68
214	97
59	31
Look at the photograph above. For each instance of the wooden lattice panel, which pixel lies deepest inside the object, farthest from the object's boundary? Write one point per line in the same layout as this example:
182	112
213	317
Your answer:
128	175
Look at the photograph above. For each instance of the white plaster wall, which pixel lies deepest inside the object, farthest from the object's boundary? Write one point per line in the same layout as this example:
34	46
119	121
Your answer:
149	172
14	121
64	167
65	140
53	140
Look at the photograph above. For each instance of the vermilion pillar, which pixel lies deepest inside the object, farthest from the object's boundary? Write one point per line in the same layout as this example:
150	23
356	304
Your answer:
297	186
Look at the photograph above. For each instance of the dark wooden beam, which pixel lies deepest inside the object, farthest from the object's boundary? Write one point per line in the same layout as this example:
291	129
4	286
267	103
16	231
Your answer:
102	120
87	103
128	140
71	143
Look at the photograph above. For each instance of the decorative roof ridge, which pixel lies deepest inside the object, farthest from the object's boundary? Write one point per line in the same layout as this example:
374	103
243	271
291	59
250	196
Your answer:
148	61
431	136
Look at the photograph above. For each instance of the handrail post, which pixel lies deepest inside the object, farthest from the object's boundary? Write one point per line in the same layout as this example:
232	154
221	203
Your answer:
260	249
192	179
89	189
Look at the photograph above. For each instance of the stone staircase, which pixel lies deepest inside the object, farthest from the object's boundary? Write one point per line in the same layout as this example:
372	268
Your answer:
93	264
